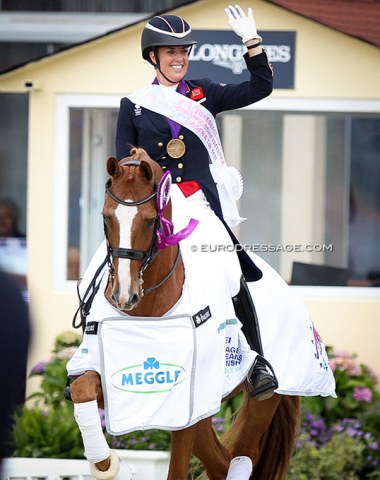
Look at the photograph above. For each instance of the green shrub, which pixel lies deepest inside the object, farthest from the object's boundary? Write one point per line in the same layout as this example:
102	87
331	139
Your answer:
44	426
339	439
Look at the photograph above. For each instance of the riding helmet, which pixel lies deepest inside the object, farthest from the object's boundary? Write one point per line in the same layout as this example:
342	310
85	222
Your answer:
165	30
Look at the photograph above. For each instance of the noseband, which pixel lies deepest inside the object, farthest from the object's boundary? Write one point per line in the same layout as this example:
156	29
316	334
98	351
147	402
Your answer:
146	256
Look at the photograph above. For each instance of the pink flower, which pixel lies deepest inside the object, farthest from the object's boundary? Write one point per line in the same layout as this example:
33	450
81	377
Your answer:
332	365
342	353
353	368
349	365
372	373
362	394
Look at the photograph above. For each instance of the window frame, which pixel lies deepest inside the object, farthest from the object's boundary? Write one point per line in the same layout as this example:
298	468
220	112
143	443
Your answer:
63	104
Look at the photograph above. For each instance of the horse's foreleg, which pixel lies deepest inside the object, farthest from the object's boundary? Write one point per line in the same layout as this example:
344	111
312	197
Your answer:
181	450
87	396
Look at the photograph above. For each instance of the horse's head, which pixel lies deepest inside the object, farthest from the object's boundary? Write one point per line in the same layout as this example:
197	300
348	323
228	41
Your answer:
131	223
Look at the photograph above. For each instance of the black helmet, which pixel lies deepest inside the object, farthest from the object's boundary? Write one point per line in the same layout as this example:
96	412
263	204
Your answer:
164	30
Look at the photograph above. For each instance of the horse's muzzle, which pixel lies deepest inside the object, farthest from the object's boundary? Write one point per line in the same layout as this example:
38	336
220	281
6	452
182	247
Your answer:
126	304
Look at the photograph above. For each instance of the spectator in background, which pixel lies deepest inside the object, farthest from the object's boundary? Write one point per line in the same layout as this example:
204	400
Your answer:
12	242
14	338
9	218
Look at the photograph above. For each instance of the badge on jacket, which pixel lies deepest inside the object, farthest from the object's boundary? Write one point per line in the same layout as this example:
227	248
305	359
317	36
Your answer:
138	110
197	93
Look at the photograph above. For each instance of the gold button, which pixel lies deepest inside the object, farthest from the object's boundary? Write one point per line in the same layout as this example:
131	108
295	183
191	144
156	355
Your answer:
163	158
178	179
160	144
163	167
181	137
180	165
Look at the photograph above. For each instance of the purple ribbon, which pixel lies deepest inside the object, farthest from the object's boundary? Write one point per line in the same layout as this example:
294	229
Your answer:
174	126
163	240
165	236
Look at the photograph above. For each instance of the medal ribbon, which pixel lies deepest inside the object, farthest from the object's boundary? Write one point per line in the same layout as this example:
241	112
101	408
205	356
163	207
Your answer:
174	126
165	236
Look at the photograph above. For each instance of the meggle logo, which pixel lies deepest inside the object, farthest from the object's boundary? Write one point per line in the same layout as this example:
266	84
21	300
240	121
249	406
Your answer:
149	377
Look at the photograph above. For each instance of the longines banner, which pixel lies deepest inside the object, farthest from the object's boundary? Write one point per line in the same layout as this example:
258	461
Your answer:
218	56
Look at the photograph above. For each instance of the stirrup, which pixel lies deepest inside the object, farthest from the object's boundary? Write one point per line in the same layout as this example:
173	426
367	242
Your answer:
260	382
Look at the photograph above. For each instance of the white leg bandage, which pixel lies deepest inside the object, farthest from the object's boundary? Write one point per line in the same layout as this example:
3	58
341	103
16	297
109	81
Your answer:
113	472
88	420
240	468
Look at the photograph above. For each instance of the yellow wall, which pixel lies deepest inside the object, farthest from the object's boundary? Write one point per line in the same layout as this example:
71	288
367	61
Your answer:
328	65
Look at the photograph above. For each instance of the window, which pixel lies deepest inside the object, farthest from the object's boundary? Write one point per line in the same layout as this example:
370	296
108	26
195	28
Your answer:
85	133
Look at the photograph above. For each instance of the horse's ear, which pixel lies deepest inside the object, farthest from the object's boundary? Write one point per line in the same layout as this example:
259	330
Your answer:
113	168
146	170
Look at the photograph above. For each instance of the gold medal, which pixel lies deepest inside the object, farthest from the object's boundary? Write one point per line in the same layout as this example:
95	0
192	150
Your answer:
176	148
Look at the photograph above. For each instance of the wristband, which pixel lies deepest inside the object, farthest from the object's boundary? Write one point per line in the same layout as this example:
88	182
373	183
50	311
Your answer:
254	46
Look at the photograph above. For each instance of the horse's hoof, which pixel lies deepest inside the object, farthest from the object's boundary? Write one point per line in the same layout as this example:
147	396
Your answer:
67	393
125	472
118	470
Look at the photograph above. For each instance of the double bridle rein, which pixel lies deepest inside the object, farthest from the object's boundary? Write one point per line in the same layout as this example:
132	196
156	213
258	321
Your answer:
146	256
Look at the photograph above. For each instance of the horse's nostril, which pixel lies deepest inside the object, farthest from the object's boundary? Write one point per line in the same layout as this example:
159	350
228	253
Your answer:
135	299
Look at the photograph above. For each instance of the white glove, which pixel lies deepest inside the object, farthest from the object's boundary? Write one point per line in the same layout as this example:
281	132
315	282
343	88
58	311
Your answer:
242	24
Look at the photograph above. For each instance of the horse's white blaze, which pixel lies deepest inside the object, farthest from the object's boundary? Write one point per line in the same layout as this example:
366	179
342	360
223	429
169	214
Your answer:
125	216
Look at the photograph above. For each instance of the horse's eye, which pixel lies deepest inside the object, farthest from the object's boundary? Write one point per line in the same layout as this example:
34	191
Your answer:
150	222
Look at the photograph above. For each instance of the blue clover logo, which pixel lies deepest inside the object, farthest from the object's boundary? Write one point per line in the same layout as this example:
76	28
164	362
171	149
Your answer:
151	363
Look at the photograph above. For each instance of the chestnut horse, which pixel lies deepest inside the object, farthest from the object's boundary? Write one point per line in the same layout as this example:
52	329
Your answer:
146	282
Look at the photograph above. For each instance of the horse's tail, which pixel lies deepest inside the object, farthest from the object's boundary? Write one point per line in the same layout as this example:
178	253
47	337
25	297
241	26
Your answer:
278	442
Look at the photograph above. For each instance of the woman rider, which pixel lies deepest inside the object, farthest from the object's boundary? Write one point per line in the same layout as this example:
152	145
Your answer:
166	44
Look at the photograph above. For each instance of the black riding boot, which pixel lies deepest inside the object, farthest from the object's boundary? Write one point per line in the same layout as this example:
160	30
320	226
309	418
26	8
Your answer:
261	380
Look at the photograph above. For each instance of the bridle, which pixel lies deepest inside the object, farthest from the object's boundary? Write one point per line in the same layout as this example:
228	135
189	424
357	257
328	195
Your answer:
146	256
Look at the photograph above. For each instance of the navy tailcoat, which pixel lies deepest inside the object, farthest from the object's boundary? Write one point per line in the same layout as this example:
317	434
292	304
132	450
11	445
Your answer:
140	127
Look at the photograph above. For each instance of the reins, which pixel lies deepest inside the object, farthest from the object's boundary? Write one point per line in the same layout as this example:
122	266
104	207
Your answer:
85	303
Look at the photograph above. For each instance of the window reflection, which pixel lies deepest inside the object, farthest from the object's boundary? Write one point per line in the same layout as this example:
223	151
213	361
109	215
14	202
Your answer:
92	134
312	195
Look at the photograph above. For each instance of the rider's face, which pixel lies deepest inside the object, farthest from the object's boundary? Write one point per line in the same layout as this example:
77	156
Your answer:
174	62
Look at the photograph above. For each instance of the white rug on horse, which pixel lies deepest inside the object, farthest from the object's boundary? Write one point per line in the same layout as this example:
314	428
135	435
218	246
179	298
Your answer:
203	367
